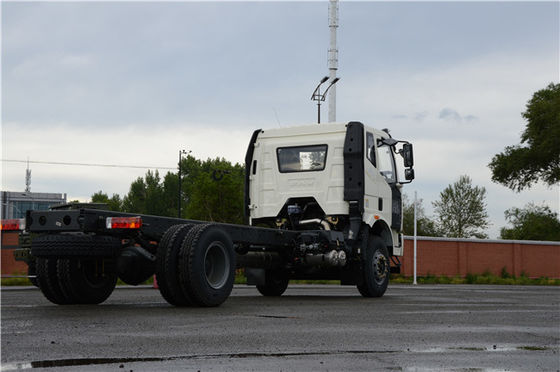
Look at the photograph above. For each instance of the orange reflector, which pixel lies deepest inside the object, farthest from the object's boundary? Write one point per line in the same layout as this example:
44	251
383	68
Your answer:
376	217
124	222
13	225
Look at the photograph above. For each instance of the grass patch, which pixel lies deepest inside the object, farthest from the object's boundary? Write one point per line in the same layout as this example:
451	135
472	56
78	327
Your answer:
240	277
469	348
11	282
314	281
532	348
485	278
149	281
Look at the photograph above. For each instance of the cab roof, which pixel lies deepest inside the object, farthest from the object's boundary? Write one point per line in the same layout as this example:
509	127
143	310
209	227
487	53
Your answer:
311	129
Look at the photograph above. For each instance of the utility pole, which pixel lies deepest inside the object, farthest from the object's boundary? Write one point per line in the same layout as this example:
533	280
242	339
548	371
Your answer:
415	236
333	56
181	153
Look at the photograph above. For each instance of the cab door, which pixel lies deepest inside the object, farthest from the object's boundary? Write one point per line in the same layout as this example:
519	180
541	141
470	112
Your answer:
377	198
387	168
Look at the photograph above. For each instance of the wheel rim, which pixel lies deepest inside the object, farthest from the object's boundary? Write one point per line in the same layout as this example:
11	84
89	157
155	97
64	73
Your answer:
380	267
216	265
93	272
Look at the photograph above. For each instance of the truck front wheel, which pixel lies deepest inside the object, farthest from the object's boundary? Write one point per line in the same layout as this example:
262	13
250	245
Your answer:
275	283
375	268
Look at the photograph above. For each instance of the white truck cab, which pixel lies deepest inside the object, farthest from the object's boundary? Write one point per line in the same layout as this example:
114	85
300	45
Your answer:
319	171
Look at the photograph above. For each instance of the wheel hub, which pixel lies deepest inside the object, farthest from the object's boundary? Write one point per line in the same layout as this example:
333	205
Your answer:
216	265
380	267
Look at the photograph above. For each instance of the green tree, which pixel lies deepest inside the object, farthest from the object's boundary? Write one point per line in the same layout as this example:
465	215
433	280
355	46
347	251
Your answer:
170	194
211	190
154	194
191	170
424	225
215	192
146	196
135	200
461	210
532	222
114	203
538	155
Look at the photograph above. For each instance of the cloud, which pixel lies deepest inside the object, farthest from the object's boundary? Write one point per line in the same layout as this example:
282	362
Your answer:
420	116
451	115
448	114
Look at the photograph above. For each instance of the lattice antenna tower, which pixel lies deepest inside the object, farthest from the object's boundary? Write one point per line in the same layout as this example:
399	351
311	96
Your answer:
28	178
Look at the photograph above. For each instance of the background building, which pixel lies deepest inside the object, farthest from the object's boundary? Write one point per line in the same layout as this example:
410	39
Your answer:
15	204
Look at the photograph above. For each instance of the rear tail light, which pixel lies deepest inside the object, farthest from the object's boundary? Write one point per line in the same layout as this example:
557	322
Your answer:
124	222
13	225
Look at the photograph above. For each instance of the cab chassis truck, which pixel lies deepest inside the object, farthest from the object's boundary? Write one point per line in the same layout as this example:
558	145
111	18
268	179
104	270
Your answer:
321	202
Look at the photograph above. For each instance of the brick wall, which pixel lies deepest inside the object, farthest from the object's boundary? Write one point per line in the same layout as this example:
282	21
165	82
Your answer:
450	257
436	256
9	266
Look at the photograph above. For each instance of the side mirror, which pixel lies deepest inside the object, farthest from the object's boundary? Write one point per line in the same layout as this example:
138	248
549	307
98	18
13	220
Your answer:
408	157
409	174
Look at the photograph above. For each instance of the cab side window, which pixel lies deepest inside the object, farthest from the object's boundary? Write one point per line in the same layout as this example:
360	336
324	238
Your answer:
371	148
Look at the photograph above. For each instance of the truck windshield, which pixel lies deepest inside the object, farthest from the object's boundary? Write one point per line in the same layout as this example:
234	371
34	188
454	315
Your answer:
386	163
302	158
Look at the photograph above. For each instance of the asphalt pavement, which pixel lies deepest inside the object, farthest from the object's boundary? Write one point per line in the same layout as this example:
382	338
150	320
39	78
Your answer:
310	328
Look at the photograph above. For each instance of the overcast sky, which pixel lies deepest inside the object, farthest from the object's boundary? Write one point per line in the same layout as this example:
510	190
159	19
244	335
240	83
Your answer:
133	82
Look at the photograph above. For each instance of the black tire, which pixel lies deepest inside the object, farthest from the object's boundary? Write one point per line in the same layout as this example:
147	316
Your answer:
32	271
75	245
375	268
87	281
47	280
276	282
207	265
167	262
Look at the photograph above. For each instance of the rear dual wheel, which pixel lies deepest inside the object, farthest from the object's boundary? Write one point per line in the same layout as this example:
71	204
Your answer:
196	265
75	268
167	265
76	281
87	281
47	280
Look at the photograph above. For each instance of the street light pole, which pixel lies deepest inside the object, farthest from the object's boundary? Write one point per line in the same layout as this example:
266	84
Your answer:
317	96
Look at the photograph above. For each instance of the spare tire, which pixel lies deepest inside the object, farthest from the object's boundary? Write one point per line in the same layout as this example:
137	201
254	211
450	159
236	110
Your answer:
75	245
